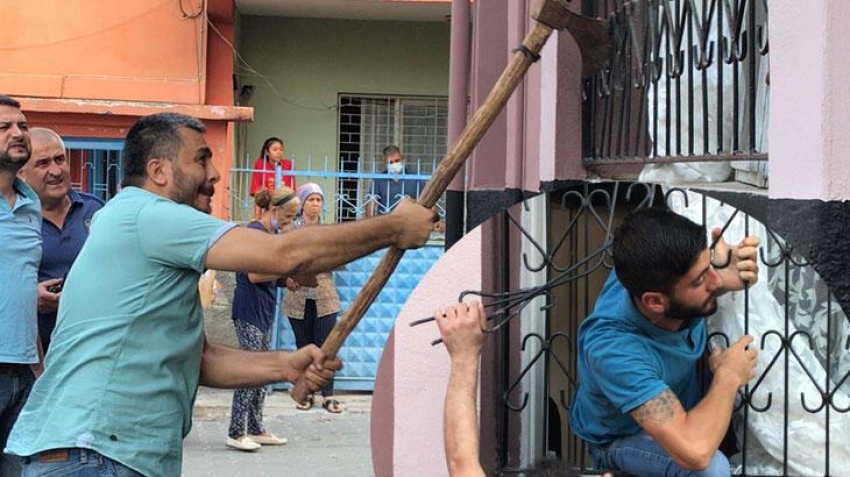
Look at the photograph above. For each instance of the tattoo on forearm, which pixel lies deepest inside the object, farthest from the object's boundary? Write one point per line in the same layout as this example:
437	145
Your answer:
658	410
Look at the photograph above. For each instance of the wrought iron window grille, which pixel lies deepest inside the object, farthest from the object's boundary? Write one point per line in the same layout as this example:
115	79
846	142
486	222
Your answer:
686	81
803	374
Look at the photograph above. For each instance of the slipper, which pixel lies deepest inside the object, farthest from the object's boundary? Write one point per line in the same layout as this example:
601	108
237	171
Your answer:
332	406
243	443
268	439
308	404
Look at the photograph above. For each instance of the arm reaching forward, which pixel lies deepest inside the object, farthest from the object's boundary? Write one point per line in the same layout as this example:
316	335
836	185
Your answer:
320	248
460	328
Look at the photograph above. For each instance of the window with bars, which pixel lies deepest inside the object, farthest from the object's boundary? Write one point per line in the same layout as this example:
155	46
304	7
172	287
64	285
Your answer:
95	165
685	89
367	123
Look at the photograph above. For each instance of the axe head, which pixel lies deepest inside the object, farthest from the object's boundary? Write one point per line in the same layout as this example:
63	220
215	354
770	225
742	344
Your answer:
591	34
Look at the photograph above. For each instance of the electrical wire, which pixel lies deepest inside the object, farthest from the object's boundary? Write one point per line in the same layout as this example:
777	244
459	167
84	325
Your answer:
250	69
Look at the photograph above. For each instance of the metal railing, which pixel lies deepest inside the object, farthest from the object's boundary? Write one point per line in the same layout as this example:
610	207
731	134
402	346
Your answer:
349	195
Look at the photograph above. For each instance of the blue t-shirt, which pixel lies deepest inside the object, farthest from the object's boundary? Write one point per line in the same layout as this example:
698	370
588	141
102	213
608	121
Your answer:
123	369
624	361
254	303
20	252
388	191
61	247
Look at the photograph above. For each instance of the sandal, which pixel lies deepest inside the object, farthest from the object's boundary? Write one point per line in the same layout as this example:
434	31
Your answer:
308	404
332	406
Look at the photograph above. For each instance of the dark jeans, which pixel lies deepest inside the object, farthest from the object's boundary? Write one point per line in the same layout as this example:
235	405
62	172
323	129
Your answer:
314	330
15	383
74	463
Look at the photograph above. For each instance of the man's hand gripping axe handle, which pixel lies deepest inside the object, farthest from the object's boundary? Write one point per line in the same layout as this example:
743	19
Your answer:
592	36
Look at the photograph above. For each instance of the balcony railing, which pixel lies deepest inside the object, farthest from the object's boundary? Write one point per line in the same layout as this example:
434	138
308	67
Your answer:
686	81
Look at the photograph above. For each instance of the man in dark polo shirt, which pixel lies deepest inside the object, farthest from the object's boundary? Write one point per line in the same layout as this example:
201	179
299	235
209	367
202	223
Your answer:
66	216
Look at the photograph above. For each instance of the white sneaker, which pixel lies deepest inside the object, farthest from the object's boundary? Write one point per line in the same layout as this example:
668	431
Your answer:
244	443
268	439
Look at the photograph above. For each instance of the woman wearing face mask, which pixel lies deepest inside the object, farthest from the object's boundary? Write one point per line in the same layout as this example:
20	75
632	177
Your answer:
271	155
254	302
312	311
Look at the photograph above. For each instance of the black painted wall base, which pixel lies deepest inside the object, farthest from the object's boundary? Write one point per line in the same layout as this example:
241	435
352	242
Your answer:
483	204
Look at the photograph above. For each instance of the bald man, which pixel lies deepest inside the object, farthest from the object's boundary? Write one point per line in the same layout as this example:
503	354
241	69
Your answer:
66	216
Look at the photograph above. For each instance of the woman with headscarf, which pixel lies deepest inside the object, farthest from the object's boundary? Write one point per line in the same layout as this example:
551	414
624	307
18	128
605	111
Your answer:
254	301
312	311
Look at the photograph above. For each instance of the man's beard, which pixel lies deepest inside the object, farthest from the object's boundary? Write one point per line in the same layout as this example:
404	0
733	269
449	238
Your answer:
687	313
185	192
12	164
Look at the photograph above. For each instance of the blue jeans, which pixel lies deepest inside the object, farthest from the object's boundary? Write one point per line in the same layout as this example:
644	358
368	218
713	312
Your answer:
640	455
74	463
14	390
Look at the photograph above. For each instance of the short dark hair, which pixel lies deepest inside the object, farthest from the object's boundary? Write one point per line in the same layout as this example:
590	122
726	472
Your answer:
391	150
268	143
154	136
654	248
8	101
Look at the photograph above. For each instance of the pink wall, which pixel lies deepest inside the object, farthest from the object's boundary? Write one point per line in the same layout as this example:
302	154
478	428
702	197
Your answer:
487	165
421	371
538	135
810	93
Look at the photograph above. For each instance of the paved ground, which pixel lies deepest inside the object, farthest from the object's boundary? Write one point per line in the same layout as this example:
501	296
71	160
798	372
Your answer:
320	444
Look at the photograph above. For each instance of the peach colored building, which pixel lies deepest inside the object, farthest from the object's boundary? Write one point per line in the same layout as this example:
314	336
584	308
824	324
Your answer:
88	69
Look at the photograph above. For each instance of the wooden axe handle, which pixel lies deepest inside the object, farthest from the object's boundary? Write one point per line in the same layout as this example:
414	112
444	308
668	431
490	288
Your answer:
448	168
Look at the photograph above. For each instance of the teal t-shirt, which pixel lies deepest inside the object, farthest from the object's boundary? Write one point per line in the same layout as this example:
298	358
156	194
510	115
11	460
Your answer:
20	253
624	361
124	363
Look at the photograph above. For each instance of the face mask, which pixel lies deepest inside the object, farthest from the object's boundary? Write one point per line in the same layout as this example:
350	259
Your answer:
395	167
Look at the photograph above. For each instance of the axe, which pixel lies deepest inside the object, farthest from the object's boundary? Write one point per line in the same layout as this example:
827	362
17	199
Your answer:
592	38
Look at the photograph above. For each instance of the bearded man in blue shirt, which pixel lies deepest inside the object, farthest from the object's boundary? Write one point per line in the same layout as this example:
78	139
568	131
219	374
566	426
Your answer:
639	404
20	220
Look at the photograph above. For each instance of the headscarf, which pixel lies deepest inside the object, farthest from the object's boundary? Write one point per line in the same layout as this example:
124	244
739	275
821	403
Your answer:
306	190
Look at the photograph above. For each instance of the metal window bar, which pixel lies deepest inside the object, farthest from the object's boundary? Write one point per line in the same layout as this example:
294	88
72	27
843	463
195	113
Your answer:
803	377
95	165
686	81
368	123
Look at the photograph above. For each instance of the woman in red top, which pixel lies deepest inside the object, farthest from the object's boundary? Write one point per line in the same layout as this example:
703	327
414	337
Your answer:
264	167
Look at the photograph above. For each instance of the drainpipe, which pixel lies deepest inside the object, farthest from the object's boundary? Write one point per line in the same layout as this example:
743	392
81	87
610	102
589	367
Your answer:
459	57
